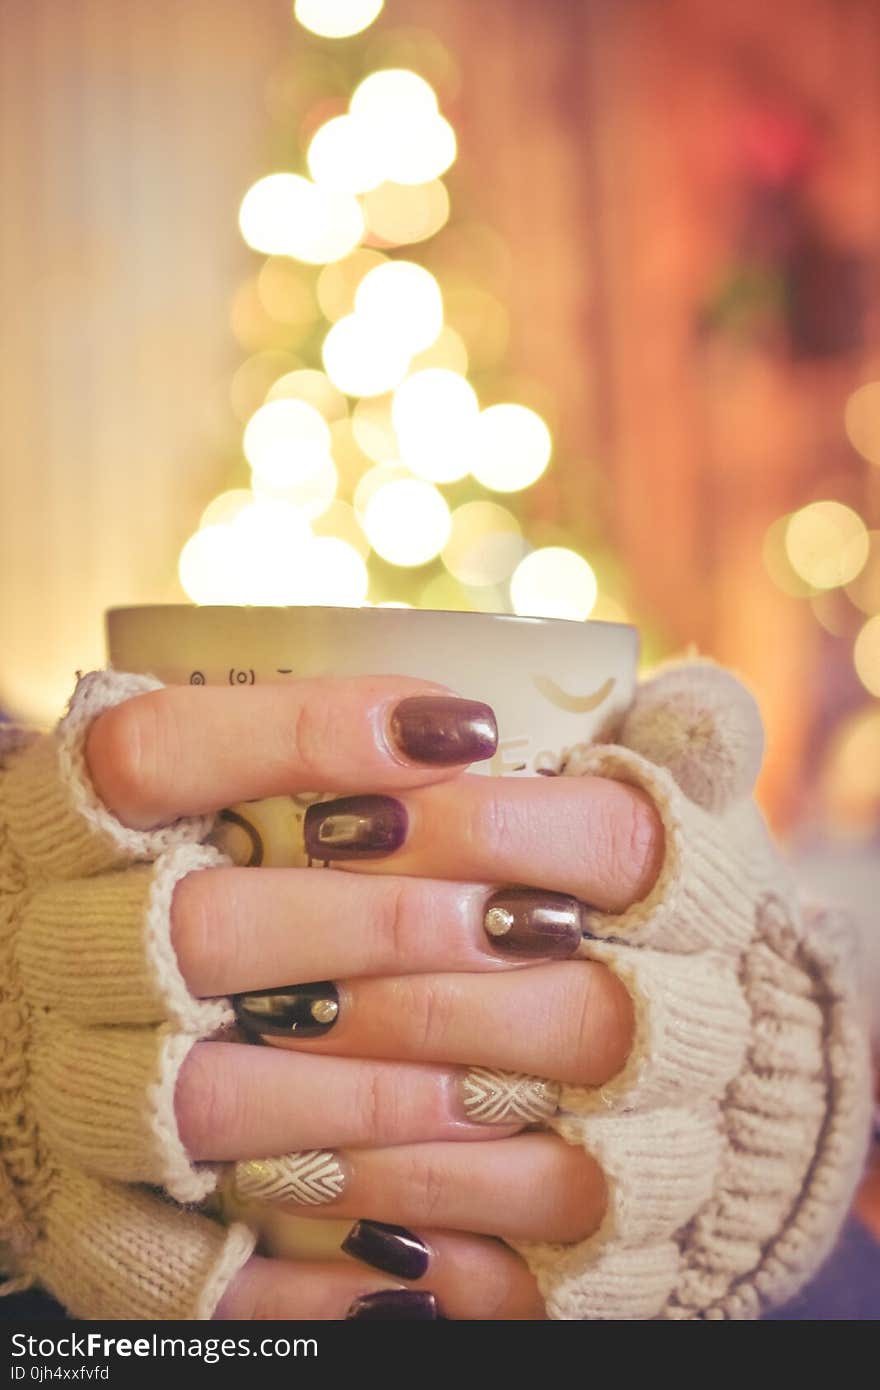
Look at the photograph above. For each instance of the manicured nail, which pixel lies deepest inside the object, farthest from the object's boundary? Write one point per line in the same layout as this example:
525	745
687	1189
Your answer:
442	730
520	922
299	1011
508	1097
393	1249
355	827
395	1304
312	1178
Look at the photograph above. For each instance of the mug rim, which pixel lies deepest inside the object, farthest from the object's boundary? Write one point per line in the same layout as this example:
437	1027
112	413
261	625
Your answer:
398	613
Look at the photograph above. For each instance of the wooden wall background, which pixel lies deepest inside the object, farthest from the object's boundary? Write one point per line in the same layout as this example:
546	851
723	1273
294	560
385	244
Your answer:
586	131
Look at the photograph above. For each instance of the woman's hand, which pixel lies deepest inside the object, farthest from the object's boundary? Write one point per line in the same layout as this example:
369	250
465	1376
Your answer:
424	1004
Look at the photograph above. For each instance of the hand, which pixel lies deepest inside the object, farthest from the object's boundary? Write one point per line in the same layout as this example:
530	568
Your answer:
419	981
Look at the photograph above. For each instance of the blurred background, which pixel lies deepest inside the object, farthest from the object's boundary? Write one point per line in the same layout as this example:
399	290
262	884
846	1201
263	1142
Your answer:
572	308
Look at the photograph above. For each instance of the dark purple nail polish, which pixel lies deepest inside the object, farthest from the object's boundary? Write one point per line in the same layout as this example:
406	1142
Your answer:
299	1011
521	922
393	1249
442	730
395	1304
355	827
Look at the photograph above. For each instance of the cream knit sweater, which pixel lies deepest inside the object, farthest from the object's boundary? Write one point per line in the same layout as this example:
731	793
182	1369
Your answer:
732	1141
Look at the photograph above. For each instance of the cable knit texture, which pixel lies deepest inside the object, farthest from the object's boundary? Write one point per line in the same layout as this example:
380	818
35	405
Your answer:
95	1024
731	1141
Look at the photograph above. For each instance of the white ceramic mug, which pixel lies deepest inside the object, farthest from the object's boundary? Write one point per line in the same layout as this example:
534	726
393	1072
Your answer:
551	683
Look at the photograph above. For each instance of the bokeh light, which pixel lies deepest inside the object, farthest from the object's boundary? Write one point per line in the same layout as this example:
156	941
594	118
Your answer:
313	387
254	329
337	19
268	543
862	421
350	459
375	478
337	573
407	522
777	563
447	350
311	495
337	283
255	377
204	569
485	544
852	772
363	360
286	441
435	414
826	544
513	447
391	95
399	214
374	428
866	655
287	215
401	300
225	507
344	156
340	520
444	591
483	322
286	294
553	582
397	111
864	590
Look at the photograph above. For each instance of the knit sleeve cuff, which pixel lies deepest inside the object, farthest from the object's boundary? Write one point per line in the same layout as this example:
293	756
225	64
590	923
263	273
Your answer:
701	899
56	821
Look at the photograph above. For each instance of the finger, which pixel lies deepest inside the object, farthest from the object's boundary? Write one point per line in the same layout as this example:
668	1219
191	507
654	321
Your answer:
234	1101
468	1278
188	750
235	930
572	1022
532	1187
592	837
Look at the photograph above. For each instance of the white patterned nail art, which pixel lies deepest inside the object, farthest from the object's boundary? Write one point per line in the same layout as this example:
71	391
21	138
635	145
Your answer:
508	1097
312	1178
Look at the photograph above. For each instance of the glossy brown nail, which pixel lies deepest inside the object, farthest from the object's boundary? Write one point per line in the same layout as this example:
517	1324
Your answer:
521	922
444	731
299	1011
395	1304
393	1249
355	827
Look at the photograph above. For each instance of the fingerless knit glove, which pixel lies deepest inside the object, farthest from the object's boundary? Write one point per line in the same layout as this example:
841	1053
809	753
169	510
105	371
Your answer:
734	1138
95	1023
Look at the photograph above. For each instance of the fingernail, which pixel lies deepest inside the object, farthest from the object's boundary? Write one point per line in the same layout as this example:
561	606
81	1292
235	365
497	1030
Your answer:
520	922
299	1011
312	1178
395	1304
393	1249
442	730
355	827
508	1097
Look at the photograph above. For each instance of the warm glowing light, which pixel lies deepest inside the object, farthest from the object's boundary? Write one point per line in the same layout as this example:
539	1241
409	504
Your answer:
254	329
407	522
447	350
313	387
344	156
226	507
852	773
513	448
374	428
362	359
866	655
862	421
864	590
311	496
337	19
445	593
340	520
336	573
483	322
286	442
350	459
827	544
553	583
777	563
392	95
435	414
286	215
608	610
337	283
401	301
399	214
285	294
268	545
204	569
255	376
371	481
485	544
421	151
